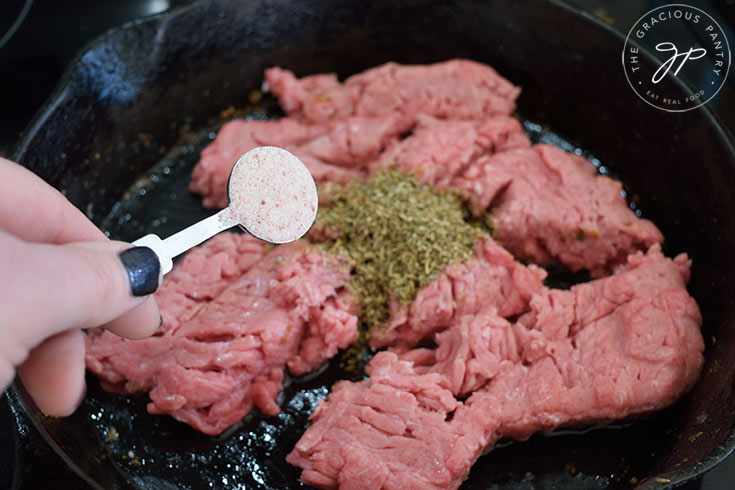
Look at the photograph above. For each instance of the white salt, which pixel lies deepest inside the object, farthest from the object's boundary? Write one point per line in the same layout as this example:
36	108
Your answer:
272	195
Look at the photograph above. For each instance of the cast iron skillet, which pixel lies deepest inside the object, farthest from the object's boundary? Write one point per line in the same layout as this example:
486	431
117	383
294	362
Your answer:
148	95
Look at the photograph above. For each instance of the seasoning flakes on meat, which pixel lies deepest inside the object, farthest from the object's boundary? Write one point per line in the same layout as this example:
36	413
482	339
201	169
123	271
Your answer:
491	278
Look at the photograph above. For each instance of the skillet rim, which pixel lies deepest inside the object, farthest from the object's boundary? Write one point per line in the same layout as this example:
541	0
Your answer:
19	398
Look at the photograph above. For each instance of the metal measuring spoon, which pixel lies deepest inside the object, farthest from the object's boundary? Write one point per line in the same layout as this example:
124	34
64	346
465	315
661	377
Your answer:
270	194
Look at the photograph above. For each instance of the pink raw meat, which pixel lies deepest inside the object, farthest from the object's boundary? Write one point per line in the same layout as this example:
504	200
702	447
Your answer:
234	319
475	349
335	151
438	151
548	204
623	345
387	432
454	89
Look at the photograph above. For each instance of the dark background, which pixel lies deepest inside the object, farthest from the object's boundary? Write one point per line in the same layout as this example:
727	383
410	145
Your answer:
44	36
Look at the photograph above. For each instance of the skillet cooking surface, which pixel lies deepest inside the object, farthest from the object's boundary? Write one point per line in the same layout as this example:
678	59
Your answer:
127	104
253	454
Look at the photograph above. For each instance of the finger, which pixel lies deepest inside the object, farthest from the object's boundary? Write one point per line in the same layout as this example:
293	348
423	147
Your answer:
36	212
28	200
139	323
57	287
53	374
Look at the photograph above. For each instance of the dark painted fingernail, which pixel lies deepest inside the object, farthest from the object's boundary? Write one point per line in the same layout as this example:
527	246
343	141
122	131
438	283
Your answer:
160	321
143	268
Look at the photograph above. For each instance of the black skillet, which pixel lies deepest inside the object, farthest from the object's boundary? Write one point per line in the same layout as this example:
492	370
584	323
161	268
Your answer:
138	104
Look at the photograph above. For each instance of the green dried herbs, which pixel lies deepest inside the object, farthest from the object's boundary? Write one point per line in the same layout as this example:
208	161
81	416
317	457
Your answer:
399	234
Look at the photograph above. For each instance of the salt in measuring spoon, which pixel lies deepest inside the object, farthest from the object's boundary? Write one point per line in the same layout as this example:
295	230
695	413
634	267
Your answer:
270	194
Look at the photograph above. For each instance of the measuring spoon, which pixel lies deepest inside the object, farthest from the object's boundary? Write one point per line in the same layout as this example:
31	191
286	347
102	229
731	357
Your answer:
270	194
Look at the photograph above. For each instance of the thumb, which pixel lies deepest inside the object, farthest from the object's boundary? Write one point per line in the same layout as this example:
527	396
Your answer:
47	289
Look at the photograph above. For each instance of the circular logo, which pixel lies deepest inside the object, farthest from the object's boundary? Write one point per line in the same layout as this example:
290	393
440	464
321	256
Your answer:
686	44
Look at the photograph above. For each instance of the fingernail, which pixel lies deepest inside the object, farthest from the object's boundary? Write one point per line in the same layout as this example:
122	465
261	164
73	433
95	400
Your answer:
143	268
160	321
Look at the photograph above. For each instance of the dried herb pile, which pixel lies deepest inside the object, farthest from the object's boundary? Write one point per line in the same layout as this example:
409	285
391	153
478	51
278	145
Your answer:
399	233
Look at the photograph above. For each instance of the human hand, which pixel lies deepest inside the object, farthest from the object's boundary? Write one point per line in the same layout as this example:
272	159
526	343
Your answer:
58	275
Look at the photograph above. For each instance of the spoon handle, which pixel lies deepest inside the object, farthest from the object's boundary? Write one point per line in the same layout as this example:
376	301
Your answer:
187	238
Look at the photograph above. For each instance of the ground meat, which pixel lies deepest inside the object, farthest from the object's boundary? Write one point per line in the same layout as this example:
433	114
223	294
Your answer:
491	278
474	350
386	432
340	151
233	320
455	89
335	151
619	346
439	151
548	204
341	145
608	349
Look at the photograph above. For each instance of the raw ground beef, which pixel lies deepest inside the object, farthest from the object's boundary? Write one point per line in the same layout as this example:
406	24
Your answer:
455	89
439	151
339	151
608	349
335	151
387	432
339	143
448	125
490	278
619	346
233	320
548	204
